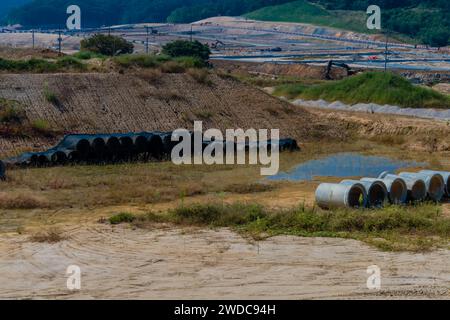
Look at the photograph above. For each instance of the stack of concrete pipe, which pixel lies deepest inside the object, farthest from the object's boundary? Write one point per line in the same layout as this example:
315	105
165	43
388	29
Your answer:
112	148
406	187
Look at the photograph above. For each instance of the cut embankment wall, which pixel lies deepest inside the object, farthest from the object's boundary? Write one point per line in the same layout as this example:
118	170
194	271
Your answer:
117	103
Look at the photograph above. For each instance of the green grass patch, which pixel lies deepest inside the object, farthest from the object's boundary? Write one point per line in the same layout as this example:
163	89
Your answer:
42	66
50	96
394	228
377	87
166	63
122	218
141	60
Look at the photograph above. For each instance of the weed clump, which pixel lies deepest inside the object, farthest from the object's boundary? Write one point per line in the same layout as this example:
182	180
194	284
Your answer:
122	218
53	235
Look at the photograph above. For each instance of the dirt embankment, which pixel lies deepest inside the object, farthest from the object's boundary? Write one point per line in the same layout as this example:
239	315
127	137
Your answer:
276	69
413	133
113	102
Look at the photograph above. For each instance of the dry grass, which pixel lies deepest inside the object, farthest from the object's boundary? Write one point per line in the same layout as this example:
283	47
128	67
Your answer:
389	139
200	75
53	235
106	185
203	114
168	94
172	67
152	76
21	201
247	188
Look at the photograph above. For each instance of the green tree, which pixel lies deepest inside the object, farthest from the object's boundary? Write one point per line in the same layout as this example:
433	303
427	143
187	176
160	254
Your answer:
183	48
107	45
436	37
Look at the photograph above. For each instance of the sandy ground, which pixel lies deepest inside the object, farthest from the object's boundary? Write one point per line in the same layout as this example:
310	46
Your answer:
118	262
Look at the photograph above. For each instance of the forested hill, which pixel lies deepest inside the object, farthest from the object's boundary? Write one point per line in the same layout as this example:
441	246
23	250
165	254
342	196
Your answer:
7	5
106	12
426	21
423	21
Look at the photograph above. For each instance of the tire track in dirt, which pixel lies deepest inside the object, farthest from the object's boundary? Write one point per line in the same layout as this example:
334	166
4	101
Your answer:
166	263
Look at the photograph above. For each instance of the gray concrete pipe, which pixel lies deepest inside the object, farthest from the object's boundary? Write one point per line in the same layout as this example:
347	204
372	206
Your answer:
416	187
396	186
434	182
335	195
377	193
445	175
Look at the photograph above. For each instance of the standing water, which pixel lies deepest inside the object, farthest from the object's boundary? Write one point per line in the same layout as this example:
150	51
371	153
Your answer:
344	165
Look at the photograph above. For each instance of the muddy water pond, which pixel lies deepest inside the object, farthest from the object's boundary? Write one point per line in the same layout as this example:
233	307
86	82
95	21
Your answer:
344	165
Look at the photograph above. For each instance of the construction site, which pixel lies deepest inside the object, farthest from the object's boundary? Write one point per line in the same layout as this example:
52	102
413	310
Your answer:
87	178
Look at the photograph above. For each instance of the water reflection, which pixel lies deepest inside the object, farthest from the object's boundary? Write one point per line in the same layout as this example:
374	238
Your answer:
344	165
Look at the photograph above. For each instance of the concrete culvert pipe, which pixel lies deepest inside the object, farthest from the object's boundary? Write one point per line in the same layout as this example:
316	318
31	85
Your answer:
34	159
377	193
288	145
58	157
113	144
2	170
83	147
445	175
396	186
98	148
416	188
155	146
434	182
335	195
168	143
43	159
140	143
73	156
126	143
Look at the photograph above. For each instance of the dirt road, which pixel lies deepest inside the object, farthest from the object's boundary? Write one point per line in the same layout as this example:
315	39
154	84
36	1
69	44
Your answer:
166	263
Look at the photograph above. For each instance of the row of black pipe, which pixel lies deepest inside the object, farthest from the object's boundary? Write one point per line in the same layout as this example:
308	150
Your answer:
111	148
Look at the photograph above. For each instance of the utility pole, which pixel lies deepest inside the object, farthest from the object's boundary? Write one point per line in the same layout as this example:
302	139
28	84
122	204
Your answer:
146	42
32	36
191	32
386	52
59	41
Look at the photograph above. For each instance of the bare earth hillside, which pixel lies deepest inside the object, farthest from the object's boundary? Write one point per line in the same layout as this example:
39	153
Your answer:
114	102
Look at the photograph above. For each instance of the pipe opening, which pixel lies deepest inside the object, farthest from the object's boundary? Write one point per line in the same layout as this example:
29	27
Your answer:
377	195
140	143
435	189
34	159
98	144
155	146
42	160
113	144
74	156
356	196
126	143
397	192
83	146
418	191
59	157
2	170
